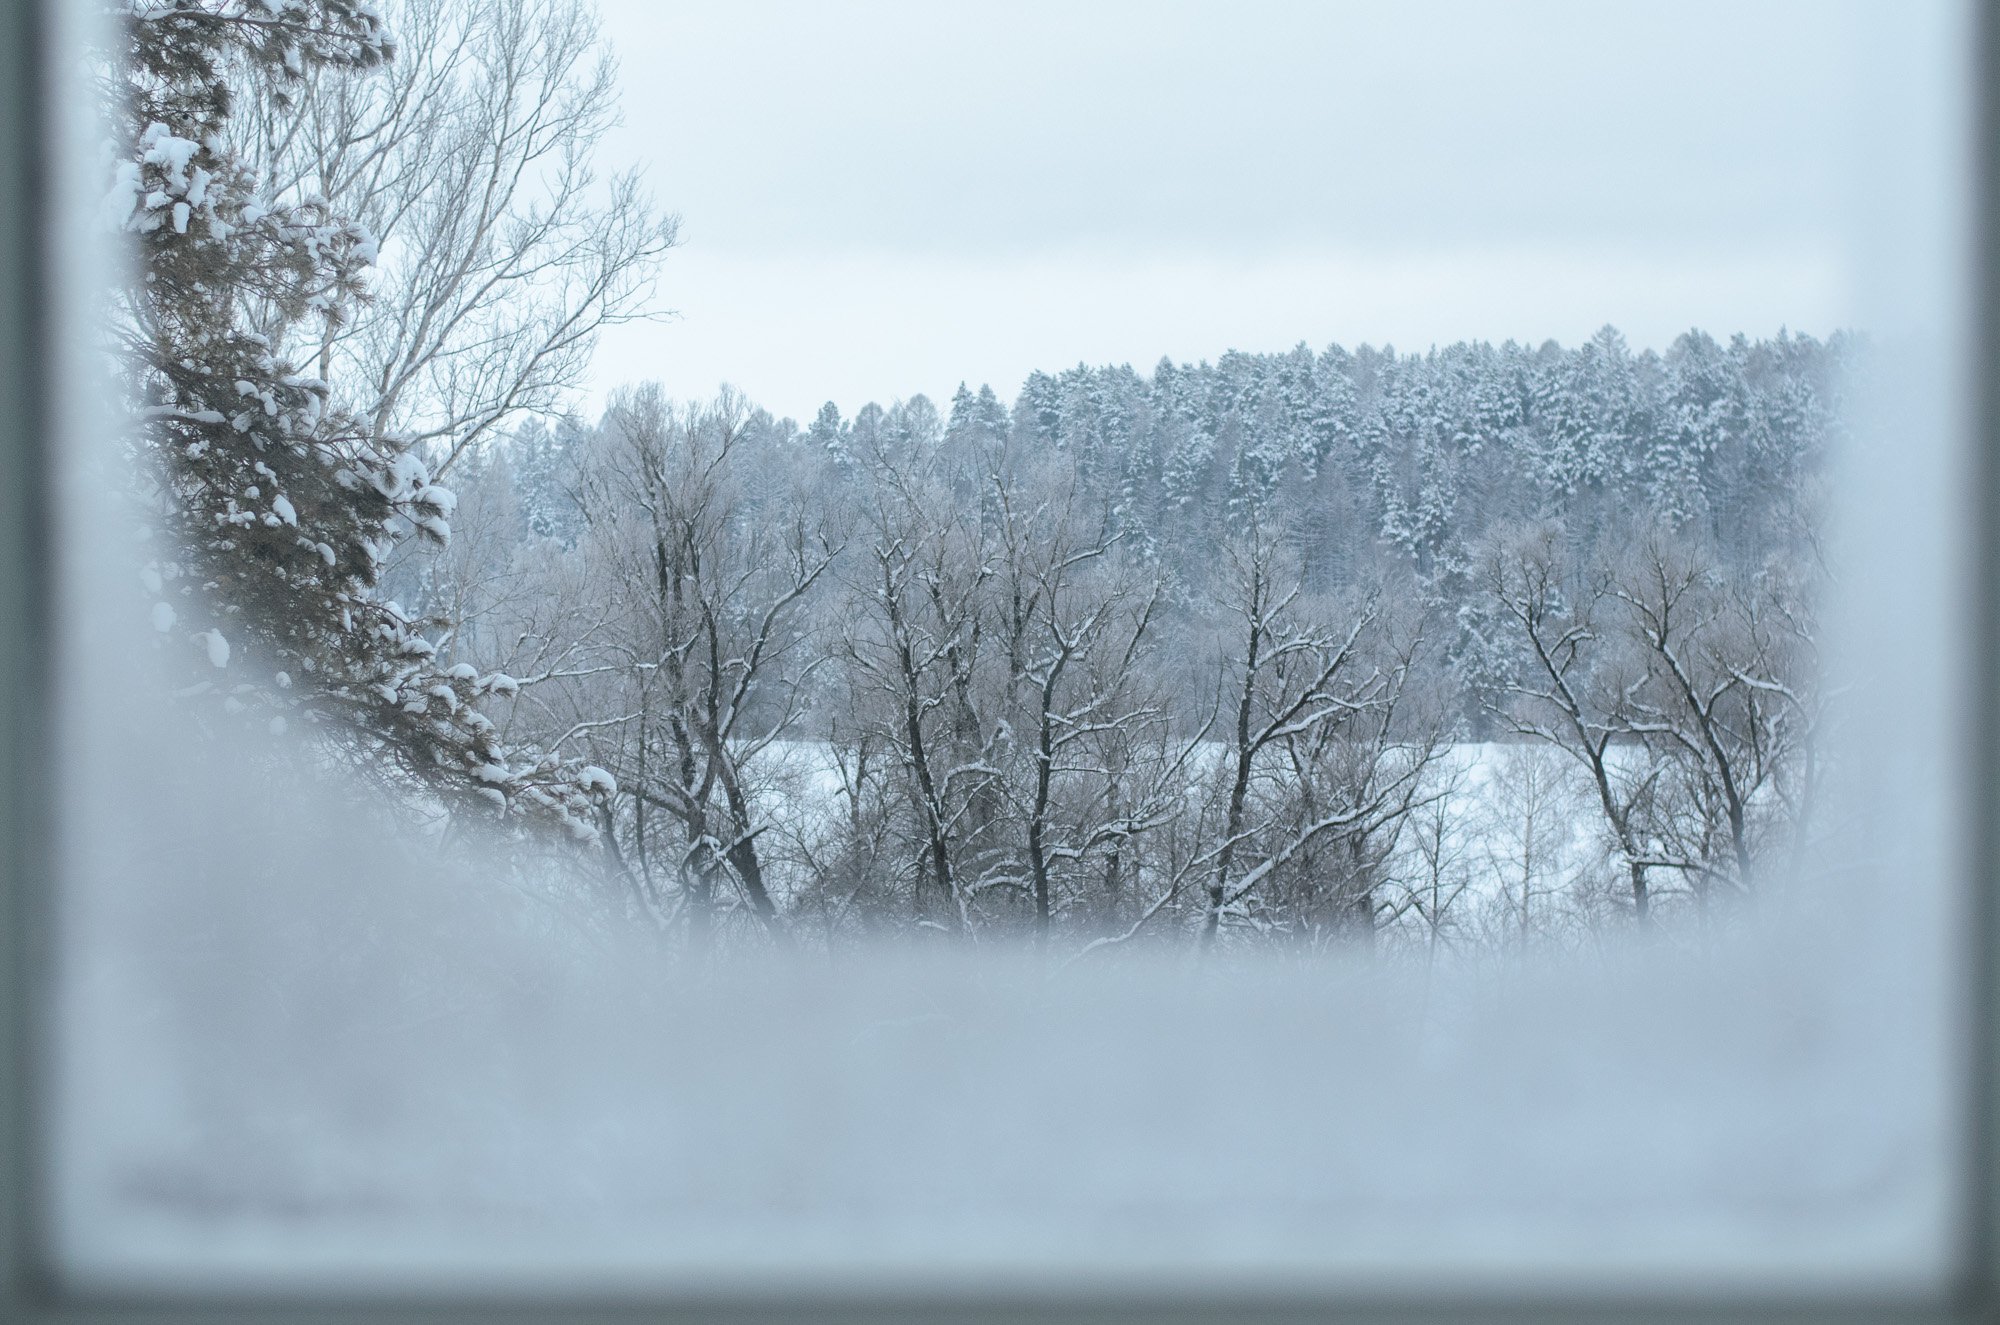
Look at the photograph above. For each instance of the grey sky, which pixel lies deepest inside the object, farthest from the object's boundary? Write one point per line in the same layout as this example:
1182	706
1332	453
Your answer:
886	198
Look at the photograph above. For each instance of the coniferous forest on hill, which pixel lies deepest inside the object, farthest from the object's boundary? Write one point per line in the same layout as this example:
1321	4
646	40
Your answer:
1377	463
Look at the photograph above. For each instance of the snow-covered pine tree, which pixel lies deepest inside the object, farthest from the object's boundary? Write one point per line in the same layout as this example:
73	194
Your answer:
546	461
828	437
273	513
978	425
1038	409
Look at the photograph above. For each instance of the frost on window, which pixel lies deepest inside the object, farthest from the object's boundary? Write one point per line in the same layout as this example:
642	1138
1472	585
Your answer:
1328	818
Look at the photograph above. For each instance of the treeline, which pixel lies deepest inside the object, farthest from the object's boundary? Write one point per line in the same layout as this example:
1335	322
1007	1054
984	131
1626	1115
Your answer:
1194	654
1380	460
1383	468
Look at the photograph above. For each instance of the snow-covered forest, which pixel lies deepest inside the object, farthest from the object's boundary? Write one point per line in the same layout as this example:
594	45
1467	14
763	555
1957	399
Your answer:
1474	648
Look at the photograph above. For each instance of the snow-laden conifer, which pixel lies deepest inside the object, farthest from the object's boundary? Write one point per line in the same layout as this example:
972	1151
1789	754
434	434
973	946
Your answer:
273	512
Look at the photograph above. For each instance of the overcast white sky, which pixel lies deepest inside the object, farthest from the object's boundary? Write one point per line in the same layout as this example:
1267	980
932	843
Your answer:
885	198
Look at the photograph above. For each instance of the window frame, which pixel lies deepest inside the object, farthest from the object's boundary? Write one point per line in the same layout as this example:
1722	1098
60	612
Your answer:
29	1287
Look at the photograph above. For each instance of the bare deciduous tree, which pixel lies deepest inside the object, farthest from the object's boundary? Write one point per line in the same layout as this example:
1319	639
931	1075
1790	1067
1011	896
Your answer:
694	664
1728	708
1317	774
1571	687
1685	694
502	251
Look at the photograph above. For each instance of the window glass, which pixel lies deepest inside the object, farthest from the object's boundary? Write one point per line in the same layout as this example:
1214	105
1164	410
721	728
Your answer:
1316	650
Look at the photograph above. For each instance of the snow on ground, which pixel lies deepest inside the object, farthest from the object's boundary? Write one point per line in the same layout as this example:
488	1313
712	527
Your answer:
1512	811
